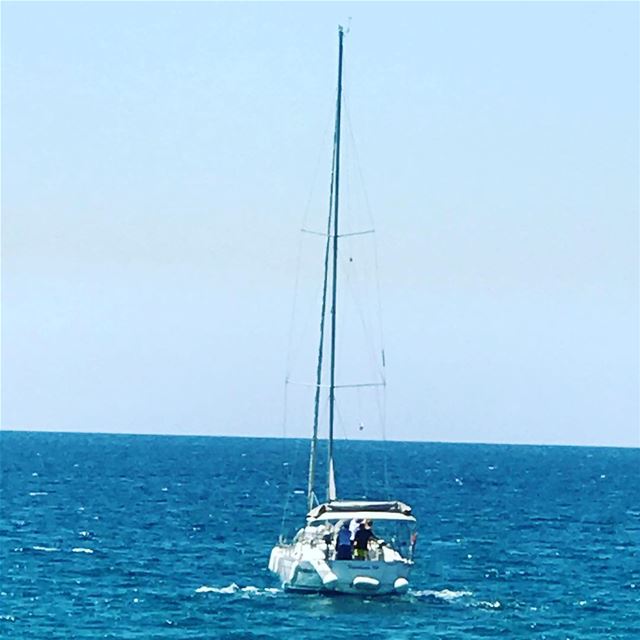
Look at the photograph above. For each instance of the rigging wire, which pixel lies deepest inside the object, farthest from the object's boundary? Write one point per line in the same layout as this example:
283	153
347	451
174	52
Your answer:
371	221
290	464
290	346
365	458
285	507
359	305
293	349
382	404
380	397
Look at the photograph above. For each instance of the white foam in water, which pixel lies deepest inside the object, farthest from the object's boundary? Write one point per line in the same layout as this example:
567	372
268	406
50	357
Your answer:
449	596
234	588
39	548
444	594
38	493
81	550
204	589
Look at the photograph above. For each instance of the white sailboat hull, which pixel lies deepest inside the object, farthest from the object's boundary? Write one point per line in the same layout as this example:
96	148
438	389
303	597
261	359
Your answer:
302	567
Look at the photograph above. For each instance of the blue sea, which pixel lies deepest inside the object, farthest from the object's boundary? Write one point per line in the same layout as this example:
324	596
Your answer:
116	536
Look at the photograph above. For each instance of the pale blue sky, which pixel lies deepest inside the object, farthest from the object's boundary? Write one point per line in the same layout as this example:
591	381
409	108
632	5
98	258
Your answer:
157	160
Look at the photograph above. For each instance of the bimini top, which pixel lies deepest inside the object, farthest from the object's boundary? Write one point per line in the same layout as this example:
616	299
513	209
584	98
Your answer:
349	509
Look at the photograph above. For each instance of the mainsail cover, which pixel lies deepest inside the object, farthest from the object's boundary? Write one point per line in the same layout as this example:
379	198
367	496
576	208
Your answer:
332	482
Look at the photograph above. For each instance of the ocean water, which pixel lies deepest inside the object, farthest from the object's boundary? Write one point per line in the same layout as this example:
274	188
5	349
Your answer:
105	536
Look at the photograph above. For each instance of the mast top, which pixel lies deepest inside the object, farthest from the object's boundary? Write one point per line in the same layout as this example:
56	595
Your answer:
341	29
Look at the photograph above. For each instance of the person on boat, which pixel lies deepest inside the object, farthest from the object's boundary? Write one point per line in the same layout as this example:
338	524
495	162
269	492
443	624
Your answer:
354	525
361	540
343	542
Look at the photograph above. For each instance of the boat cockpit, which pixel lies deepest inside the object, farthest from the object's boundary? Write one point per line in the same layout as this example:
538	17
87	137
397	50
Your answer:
390	534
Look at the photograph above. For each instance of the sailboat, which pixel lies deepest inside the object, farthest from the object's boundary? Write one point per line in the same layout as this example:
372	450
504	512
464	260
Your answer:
337	551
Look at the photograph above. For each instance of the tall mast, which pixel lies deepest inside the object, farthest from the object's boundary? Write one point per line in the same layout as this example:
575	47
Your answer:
323	313
336	201
331	249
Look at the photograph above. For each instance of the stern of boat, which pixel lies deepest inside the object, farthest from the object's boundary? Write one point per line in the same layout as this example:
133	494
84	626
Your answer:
371	577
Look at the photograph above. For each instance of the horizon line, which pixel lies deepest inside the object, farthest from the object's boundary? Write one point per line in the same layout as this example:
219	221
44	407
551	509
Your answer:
289	437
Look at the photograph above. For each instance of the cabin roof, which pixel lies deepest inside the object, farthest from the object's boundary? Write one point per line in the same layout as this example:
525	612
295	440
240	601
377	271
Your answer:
366	510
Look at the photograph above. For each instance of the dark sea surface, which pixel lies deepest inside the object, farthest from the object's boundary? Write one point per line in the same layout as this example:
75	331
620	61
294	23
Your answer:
106	536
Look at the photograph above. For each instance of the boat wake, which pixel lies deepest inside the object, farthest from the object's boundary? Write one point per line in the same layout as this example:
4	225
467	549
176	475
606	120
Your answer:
234	589
38	547
424	595
447	595
444	594
42	549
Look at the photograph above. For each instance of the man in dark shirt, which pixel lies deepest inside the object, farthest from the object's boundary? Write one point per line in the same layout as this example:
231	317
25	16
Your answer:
361	540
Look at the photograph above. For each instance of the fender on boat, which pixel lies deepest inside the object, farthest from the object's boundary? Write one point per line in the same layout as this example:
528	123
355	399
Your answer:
365	583
401	585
